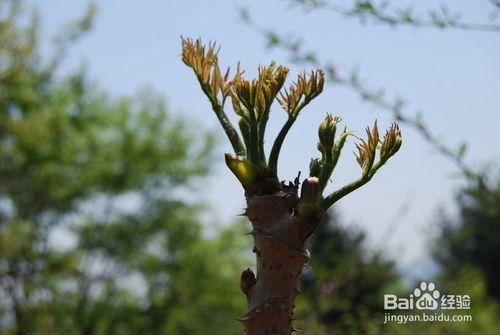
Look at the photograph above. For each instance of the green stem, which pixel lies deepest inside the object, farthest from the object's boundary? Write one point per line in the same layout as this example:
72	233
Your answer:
262	130
275	151
231	133
278	142
253	150
345	190
327	169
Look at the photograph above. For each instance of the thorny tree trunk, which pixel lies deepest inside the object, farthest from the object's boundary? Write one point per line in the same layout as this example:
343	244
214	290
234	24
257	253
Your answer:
279	235
281	221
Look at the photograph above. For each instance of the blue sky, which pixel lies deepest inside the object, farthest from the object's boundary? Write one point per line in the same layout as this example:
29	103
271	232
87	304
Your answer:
451	76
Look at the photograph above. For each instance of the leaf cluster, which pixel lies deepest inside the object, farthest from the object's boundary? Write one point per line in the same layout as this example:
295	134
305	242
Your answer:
252	101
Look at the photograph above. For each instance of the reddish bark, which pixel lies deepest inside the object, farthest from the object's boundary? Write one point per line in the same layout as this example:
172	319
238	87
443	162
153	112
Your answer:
279	235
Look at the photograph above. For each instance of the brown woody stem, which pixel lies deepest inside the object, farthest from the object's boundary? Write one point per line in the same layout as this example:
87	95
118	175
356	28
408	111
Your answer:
278	234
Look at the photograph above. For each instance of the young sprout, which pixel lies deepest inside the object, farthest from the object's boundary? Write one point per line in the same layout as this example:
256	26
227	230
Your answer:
281	219
252	101
367	152
205	64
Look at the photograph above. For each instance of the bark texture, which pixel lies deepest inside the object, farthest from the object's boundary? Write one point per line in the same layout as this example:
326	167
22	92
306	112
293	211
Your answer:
279	235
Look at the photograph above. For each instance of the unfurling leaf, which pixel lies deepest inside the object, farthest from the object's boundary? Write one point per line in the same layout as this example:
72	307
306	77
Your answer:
314	85
256	96
367	149
302	92
330	149
339	144
391	142
243	93
270	82
205	63
326	131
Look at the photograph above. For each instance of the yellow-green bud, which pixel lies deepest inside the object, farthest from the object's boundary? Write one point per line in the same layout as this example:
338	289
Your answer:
243	169
327	130
391	142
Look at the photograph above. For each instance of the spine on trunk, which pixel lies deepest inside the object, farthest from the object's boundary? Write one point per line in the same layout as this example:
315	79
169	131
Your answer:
280	258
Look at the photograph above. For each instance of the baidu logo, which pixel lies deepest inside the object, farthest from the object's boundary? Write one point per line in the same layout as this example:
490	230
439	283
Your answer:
426	297
426	304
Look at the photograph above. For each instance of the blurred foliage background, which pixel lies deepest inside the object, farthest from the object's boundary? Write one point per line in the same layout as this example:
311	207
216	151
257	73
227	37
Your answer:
109	176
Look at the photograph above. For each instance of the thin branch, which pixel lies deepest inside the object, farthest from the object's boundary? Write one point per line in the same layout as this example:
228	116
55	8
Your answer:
299	95
440	18
328	201
495	3
226	124
262	131
231	133
204	63
278	142
375	97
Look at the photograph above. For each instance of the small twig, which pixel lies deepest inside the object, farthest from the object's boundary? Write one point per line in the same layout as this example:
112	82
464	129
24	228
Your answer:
437	18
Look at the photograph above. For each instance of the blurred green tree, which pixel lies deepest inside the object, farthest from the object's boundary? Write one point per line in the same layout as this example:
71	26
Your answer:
484	309
95	234
343	286
472	238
